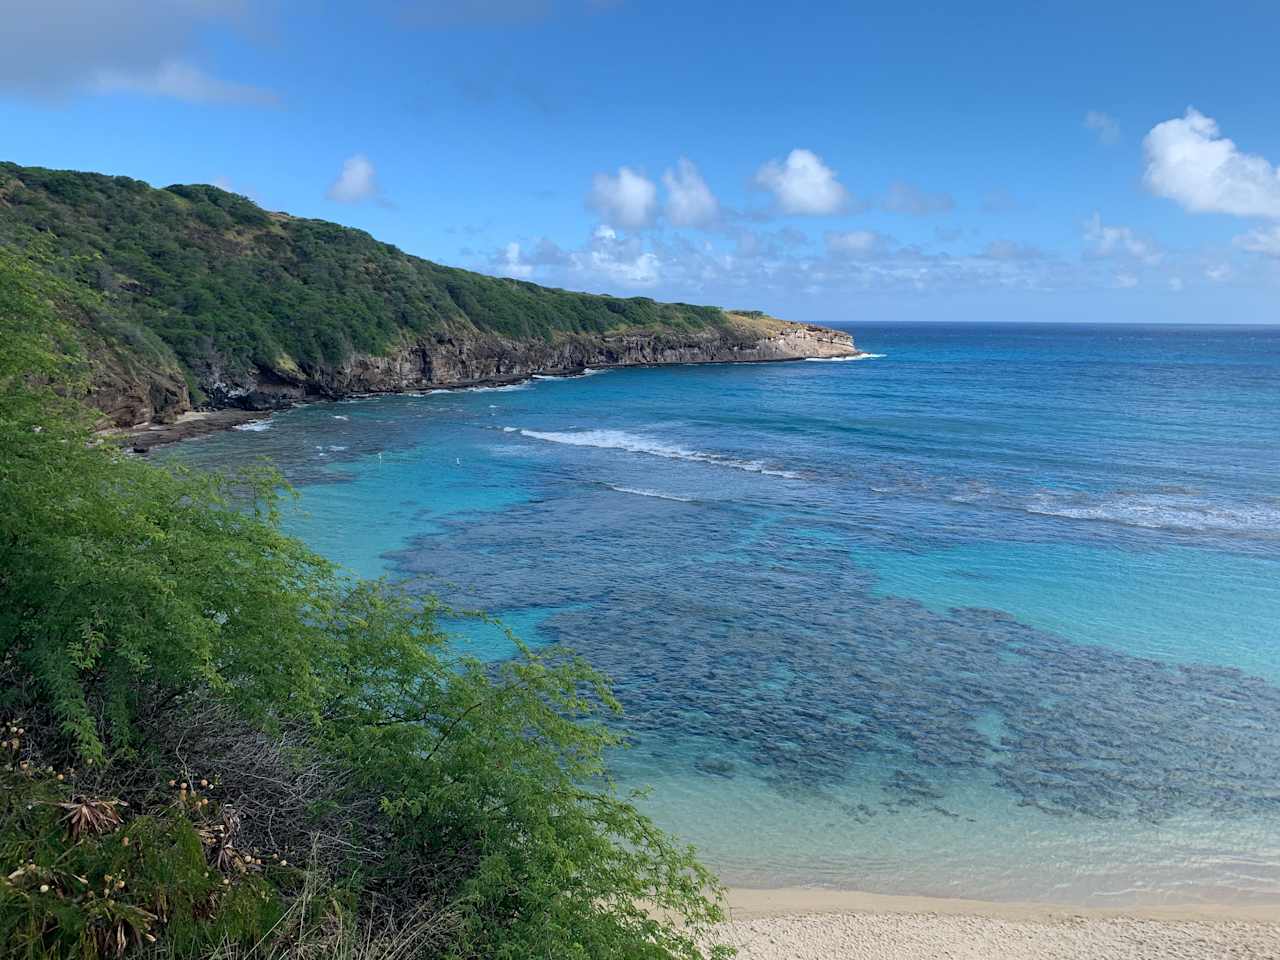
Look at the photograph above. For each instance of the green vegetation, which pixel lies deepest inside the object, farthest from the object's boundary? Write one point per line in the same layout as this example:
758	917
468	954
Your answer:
228	287
214	745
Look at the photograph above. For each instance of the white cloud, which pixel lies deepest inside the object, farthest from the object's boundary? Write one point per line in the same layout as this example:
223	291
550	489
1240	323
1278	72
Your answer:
690	202
1264	240
1104	125
1189	161
628	200
56	48
179	80
1126	281
511	264
1218	272
1175	284
803	184
1011	250
358	181
906	198
622	261
856	243
1111	241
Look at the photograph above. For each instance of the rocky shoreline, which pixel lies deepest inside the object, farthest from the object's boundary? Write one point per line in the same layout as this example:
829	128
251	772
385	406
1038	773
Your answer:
452	362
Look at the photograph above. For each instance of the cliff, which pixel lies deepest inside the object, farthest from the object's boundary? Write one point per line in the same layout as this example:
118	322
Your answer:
453	360
191	297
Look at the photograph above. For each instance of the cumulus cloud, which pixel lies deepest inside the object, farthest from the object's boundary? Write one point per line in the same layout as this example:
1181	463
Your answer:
626	200
357	182
56	48
181	81
1264	240
906	198
856	243
1104	125
1190	162
511	264
690	202
1107	241
619	260
803	184
1126	281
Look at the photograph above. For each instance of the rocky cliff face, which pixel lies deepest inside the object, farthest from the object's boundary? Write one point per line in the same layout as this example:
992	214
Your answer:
453	359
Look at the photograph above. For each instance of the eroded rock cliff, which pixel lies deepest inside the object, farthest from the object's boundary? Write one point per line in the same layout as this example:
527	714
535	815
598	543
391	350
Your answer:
467	358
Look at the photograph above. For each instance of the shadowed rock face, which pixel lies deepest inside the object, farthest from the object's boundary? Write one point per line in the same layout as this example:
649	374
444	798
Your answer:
447	359
130	394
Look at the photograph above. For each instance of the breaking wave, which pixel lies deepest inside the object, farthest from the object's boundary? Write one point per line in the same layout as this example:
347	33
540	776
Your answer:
631	443
861	356
1157	511
253	426
656	494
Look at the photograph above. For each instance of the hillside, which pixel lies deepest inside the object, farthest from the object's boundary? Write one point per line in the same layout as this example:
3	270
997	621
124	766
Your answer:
198	297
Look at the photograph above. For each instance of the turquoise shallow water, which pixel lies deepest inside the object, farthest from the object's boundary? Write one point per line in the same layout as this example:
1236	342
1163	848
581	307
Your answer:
993	615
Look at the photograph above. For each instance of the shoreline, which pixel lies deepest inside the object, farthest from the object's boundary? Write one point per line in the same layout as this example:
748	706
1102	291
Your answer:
747	903
143	437
812	924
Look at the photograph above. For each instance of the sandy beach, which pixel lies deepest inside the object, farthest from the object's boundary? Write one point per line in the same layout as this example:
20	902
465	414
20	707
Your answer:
800	924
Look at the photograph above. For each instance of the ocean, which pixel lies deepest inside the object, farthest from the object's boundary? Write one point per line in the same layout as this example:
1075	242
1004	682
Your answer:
994	613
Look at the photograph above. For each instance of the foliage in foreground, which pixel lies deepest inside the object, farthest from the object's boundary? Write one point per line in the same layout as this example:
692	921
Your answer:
187	677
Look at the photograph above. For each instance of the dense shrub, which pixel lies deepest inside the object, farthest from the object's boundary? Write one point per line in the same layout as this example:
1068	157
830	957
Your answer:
156	626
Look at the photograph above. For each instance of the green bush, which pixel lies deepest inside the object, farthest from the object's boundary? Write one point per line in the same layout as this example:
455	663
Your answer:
155	622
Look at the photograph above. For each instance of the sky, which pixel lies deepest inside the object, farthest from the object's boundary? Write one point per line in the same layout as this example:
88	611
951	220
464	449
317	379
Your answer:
827	162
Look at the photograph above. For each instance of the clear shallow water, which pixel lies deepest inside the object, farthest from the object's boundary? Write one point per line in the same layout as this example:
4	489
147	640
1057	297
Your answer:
995	615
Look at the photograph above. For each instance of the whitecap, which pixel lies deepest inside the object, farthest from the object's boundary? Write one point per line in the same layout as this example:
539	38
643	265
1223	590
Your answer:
860	356
657	494
1155	511
253	426
510	429
338	416
631	443
504	388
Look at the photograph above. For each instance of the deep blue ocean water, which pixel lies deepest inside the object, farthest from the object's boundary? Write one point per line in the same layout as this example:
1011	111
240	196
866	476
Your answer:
995	614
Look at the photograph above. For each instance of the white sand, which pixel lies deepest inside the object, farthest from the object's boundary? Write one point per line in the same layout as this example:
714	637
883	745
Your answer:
837	925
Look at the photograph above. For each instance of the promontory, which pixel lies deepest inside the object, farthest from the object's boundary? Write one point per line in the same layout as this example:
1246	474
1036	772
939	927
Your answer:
192	297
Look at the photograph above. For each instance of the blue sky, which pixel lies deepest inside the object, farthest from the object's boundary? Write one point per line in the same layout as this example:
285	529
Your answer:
823	161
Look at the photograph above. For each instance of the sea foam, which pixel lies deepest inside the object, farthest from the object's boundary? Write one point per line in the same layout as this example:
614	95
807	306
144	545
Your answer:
253	426
861	356
632	443
1159	512
656	494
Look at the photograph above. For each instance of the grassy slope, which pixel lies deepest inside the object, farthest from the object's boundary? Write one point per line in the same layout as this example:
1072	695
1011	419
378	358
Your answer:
207	277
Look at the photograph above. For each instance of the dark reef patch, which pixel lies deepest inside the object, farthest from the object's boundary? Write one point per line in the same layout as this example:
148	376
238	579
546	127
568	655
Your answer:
791	663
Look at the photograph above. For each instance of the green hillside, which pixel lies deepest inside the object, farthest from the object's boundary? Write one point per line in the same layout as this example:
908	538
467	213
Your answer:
223	284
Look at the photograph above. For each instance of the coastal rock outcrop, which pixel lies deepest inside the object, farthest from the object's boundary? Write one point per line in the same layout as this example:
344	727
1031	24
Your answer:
469	358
